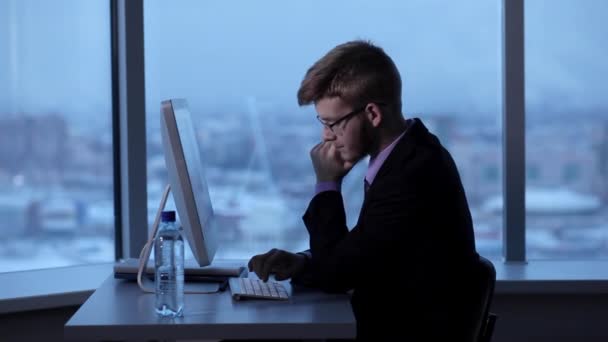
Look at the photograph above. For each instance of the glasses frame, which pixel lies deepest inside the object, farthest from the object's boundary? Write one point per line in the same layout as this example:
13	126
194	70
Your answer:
347	116
341	119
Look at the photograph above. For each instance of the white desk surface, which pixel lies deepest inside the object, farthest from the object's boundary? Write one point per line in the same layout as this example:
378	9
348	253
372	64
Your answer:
119	310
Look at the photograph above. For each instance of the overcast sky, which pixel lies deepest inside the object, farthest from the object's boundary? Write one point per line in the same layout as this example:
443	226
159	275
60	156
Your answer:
55	55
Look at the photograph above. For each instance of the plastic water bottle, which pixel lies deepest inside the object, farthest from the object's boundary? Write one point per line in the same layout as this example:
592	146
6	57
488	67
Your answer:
169	267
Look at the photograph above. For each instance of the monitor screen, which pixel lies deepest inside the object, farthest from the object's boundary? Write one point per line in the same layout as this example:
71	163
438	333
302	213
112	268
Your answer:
187	179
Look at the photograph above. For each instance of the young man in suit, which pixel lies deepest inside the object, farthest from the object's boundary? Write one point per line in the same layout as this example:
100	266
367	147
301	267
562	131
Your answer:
412	250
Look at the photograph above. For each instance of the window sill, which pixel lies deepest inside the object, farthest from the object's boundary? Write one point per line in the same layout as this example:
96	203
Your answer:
552	277
50	288
66	286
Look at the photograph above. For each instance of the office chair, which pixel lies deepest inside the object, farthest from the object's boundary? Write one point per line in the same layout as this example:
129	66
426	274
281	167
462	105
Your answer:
484	327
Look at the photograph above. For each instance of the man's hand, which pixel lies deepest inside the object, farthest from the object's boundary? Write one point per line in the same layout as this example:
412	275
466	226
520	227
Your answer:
282	263
328	163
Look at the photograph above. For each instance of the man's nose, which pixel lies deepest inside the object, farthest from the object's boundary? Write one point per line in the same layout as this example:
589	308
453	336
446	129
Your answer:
327	134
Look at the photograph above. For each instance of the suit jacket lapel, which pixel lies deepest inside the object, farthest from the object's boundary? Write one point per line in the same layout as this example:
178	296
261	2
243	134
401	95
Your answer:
416	133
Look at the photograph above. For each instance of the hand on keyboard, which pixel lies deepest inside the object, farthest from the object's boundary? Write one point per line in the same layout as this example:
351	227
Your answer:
281	263
256	288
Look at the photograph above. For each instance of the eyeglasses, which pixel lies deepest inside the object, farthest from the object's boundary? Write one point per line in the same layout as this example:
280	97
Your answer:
343	118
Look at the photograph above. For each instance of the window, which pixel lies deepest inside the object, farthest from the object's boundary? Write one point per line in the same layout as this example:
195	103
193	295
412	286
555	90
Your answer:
240	71
567	129
571	173
56	166
491	173
532	172
55	98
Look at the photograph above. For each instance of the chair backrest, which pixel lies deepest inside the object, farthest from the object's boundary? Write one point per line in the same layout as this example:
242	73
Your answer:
486	280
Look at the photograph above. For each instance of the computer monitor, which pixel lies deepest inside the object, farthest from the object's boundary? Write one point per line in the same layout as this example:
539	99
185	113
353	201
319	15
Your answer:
187	179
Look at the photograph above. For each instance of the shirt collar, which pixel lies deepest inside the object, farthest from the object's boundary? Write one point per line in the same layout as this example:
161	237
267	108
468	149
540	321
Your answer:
376	163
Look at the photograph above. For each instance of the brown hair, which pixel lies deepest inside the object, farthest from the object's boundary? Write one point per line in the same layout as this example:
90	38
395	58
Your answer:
357	72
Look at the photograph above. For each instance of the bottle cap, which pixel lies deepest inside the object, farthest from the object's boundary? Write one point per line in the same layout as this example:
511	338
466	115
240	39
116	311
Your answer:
167	216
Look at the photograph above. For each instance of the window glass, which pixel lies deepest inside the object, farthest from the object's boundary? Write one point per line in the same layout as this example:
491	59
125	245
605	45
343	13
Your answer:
56	185
566	128
240	63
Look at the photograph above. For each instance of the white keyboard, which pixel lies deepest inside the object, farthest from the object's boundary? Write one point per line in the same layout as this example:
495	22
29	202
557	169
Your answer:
255	288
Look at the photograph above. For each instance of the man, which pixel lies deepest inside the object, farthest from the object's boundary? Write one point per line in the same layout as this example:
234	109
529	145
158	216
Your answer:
408	257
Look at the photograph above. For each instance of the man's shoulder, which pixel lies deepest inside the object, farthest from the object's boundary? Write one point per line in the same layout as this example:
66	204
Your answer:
421	135
418	155
420	144
421	156
425	141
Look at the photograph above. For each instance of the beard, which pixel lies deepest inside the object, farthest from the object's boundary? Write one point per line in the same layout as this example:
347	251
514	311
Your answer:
366	142
361	148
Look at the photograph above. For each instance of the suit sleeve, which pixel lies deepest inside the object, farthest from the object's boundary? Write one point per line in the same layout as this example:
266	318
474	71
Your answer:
338	256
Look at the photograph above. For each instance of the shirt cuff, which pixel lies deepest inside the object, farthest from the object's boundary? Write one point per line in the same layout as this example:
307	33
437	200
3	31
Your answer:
327	186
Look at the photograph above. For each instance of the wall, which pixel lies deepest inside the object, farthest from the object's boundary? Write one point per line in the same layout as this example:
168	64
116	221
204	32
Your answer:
522	318
42	325
551	318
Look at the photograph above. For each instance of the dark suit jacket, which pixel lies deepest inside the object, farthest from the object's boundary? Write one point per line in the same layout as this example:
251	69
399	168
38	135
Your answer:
409	256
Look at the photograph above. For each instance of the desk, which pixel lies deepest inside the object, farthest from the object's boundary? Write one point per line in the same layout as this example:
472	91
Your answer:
118	310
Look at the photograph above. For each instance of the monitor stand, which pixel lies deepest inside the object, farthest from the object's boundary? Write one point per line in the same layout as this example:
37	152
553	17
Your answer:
216	272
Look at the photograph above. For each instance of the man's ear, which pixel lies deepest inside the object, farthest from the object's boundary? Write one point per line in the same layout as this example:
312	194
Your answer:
374	114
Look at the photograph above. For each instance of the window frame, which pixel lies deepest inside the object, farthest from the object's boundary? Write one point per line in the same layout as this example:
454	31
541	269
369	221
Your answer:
514	135
513	120
130	121
514	274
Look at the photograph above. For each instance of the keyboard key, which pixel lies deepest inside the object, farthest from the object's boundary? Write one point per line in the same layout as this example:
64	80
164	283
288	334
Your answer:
255	288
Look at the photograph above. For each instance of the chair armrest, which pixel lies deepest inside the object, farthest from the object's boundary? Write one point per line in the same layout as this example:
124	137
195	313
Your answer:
489	328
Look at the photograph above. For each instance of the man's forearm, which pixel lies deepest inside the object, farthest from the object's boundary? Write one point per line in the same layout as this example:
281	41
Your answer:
305	277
